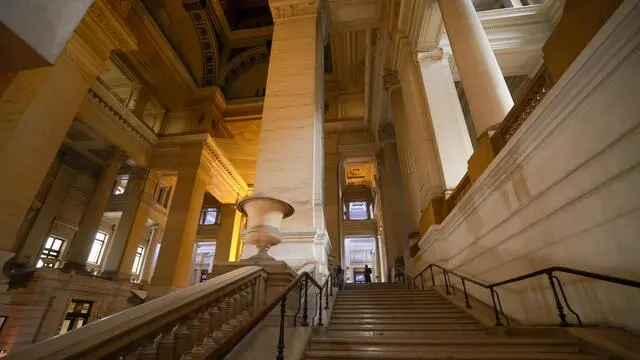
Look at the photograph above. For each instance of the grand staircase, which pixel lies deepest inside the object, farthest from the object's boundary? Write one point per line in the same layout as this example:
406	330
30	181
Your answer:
388	322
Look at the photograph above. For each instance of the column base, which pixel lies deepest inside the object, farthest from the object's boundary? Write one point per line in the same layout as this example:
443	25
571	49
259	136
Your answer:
78	268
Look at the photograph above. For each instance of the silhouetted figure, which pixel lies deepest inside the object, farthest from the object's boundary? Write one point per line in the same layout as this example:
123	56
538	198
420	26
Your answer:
367	274
339	276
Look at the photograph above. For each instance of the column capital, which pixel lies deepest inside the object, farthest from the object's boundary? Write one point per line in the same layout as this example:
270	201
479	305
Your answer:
432	55
116	155
390	79
386	132
291	9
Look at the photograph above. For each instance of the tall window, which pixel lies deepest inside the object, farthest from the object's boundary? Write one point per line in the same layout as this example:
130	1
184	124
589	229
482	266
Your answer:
78	313
51	250
121	185
137	261
162	195
97	248
209	216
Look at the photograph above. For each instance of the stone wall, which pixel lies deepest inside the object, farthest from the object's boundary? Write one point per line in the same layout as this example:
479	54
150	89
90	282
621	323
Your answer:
563	192
36	313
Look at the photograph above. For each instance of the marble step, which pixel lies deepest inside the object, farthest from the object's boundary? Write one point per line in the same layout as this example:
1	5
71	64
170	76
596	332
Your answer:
517	345
382	316
405	326
441	355
409	321
392	311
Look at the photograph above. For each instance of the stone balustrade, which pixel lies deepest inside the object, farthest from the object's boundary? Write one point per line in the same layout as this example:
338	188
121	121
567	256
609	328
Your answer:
187	324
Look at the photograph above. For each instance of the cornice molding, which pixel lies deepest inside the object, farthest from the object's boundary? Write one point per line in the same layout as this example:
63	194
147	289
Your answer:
100	97
226	177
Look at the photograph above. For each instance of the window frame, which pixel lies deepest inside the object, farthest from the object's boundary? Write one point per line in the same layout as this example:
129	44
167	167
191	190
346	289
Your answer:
203	216
74	316
124	178
137	260
51	253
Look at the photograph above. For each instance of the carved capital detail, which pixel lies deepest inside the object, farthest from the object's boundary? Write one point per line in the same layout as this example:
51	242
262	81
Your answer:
281	10
386	132
390	79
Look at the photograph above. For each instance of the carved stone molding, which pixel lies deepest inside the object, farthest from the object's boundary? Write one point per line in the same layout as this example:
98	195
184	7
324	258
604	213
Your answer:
433	55
386	132
291	10
241	63
390	79
226	177
99	97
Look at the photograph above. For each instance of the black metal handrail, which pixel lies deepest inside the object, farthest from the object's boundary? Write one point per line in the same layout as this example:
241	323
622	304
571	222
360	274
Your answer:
303	280
554	282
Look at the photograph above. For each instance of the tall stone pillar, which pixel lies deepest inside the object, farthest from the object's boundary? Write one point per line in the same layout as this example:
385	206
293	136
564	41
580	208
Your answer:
452	135
151	254
230	219
38	106
84	237
173	267
406	156
32	246
394	209
332	203
484	86
289	161
131	225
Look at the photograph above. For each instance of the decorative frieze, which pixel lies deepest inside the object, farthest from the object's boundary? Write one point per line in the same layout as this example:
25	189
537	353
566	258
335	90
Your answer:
390	79
207	37
287	11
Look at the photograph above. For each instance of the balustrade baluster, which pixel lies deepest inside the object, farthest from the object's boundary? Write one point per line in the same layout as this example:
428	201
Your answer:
194	331
181	336
166	345
205	324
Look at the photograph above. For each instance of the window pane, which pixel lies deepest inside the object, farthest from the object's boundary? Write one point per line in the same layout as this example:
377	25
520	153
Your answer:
208	216
96	249
57	243
121	185
47	245
358	210
100	235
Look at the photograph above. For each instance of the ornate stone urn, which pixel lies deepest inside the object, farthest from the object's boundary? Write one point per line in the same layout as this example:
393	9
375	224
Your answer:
264	217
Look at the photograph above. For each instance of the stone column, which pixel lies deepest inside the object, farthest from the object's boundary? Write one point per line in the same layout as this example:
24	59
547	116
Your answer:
131	225
394	209
452	135
407	163
332	203
173	267
83	239
150	257
32	246
484	86
38	106
291	133
228	234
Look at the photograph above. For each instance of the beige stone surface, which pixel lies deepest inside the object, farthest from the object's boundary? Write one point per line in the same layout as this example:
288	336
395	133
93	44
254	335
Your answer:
285	167
562	192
